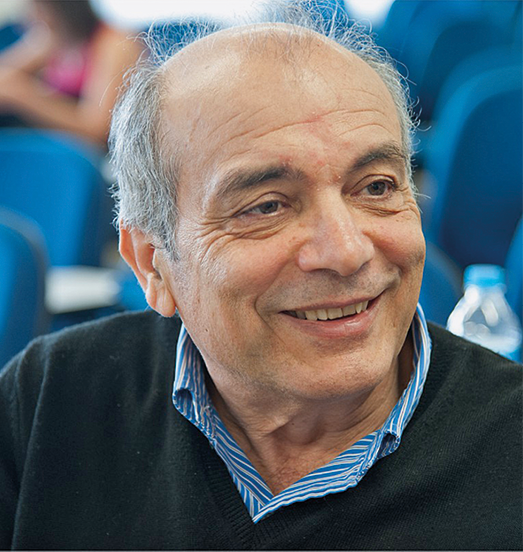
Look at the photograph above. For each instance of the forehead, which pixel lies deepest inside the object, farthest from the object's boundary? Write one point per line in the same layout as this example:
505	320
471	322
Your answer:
242	92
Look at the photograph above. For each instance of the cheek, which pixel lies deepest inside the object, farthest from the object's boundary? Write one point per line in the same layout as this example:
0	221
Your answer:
245	269
231	283
404	246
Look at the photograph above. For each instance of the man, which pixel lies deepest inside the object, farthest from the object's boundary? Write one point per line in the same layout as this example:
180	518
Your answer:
265	194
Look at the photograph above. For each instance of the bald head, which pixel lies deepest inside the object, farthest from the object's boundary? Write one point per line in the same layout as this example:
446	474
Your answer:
239	81
217	63
282	41
168	110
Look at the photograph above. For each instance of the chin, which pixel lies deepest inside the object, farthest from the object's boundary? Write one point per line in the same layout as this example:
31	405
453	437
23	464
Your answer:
356	379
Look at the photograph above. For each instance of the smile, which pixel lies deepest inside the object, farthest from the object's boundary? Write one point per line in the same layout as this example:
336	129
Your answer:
330	314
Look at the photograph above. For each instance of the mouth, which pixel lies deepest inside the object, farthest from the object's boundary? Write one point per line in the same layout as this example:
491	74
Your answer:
336	313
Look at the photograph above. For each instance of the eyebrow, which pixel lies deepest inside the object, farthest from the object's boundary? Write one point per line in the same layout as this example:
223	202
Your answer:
244	179
385	152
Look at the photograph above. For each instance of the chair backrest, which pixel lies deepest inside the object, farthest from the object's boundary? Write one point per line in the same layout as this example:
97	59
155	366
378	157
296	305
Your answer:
441	287
55	179
392	33
475	162
514	272
505	15
9	34
472	66
436	44
22	283
412	26
517	36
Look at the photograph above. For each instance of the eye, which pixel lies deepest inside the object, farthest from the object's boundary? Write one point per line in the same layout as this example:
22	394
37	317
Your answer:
379	187
265	208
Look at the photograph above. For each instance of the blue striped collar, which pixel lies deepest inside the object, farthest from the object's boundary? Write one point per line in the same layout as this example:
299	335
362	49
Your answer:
191	399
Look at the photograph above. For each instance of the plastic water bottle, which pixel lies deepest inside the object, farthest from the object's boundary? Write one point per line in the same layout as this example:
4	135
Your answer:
483	315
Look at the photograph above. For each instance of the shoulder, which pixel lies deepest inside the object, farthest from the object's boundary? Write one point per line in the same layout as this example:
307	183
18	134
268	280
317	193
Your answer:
451	350
120	332
100	369
473	378
95	351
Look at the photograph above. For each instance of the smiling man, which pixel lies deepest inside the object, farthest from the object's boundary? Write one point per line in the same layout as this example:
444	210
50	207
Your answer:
264	196
299	252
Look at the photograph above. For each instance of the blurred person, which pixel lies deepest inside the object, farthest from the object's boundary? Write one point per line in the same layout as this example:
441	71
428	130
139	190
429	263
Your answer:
64	73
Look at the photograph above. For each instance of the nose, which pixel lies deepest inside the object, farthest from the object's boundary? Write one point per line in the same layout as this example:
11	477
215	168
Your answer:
335	240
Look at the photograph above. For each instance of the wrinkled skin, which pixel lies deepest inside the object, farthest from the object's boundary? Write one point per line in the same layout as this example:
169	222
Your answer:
293	196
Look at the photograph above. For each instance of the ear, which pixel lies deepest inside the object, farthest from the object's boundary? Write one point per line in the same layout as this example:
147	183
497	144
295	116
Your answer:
150	267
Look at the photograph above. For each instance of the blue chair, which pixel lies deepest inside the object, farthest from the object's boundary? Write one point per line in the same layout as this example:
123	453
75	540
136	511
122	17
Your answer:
514	272
411	26
505	15
56	180
441	288
475	163
9	34
471	67
22	283
391	35
436	44
518	28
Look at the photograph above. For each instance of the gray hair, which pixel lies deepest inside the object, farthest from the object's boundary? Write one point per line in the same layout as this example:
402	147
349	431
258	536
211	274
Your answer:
146	190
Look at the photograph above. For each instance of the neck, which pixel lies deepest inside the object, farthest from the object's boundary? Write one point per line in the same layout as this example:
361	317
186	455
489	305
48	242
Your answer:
286	438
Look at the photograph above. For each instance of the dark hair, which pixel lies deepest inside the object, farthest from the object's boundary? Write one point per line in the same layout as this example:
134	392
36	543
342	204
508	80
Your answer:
77	17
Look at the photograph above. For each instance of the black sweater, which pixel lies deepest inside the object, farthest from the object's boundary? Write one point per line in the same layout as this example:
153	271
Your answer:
93	455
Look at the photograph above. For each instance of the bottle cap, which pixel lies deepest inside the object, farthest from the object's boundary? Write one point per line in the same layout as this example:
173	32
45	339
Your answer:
484	275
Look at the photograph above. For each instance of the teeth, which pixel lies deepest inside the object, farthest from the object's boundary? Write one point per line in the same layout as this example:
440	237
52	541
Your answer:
332	314
311	315
321	314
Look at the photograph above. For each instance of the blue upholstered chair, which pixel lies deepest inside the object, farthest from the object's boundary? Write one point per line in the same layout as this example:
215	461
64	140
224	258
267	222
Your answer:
56	180
475	163
9	34
435	47
471	67
22	283
514	272
411	26
441	287
518	26
392	33
505	16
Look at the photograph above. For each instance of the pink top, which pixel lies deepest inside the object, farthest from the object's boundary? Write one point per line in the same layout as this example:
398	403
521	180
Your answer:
68	70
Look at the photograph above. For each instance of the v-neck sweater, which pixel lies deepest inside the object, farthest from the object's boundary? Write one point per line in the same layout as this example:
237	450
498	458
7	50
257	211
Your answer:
93	455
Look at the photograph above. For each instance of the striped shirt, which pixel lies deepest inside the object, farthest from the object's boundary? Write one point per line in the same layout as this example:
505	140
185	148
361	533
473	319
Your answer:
191	399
